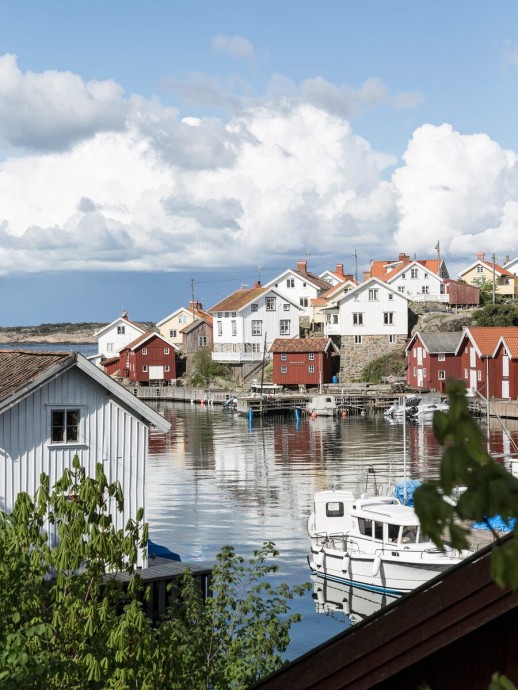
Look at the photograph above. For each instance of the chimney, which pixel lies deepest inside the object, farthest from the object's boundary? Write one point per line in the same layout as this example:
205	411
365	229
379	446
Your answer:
340	269
124	314
507	259
349	276
257	284
302	266
480	256
195	305
403	257
366	275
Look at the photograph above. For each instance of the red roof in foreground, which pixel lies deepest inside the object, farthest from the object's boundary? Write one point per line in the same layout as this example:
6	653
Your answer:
300	344
487	337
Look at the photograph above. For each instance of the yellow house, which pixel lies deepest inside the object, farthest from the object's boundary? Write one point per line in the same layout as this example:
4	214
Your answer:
171	326
482	271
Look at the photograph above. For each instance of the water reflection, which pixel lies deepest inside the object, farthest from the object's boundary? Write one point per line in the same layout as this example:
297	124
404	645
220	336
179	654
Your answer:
214	479
346	603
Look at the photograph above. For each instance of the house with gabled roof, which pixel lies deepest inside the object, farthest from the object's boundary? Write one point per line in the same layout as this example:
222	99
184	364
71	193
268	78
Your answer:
246	323
171	326
115	335
54	406
336	276
300	286
321	310
432	360
479	369
304	361
511	265
506	365
372	319
150	359
483	271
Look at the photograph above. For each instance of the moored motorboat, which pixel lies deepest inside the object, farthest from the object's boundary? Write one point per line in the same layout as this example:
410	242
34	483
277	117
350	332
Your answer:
375	543
322	405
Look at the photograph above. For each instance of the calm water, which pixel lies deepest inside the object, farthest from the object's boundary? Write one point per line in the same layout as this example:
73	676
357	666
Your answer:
213	479
86	349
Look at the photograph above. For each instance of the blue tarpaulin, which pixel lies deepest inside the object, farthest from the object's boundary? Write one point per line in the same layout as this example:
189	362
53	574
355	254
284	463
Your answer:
497	522
411	486
160	551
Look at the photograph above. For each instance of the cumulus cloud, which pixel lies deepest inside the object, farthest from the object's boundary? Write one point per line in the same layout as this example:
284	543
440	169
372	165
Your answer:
236	47
52	110
459	189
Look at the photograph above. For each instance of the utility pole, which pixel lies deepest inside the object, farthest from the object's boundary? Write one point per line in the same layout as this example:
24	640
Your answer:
192	299
438	248
355	266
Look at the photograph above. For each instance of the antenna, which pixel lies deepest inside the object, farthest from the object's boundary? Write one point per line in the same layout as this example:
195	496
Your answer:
259	273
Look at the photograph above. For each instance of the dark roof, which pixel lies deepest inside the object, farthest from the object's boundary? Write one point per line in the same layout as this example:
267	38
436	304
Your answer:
320	282
238	299
437	343
300	344
19	368
195	324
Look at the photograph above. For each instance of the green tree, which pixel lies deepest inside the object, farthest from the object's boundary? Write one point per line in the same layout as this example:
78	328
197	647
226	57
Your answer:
205	369
497	315
488	489
391	364
486	290
66	622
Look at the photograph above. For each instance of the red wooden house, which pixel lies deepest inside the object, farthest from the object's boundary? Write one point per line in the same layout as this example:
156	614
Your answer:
506	366
303	361
149	358
479	368
431	360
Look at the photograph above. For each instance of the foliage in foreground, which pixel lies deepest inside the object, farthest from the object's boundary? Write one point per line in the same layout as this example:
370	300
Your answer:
82	629
391	364
489	489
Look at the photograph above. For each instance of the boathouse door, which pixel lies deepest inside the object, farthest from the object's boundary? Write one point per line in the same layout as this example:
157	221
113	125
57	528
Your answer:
156	373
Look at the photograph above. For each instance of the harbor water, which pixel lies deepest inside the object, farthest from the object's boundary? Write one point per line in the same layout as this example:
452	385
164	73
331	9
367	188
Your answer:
216	479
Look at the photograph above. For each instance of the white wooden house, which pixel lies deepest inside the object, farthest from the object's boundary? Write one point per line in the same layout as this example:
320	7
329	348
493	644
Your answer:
371	319
300	286
54	406
116	335
246	323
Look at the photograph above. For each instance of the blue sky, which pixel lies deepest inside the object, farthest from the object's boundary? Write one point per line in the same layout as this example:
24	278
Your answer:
145	145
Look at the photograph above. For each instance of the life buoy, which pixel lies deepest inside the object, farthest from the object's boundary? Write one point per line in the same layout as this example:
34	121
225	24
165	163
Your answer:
345	563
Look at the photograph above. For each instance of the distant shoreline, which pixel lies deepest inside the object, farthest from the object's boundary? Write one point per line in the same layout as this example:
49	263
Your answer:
62	333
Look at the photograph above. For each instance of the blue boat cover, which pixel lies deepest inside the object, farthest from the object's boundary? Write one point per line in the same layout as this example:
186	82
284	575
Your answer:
411	486
160	551
497	522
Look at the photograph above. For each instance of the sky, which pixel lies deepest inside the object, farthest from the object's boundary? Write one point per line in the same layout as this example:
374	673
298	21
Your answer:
152	152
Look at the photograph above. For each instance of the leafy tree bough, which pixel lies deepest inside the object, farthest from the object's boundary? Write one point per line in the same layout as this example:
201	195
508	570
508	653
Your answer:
66	623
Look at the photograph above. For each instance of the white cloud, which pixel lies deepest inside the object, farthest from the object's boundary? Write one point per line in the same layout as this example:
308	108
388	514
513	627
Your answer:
52	110
236	47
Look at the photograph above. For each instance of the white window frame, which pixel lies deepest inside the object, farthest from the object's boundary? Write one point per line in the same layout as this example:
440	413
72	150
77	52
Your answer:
284	369
269	303
414	273
257	327
286	307
373	294
121	330
220	327
290	282
254	307
388	318
311	369
441	375
357	318
284	327
441	357
357	339
284	356
144	350
311	356
144	368
66	410
166	350
172	332
304	302
234	327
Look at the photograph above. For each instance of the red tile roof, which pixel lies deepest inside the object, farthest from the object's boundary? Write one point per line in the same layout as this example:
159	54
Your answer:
511	342
300	344
238	299
487	337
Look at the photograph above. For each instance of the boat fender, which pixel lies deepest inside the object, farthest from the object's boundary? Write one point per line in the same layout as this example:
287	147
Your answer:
376	565
345	564
319	560
344	414
313	415
320	597
347	607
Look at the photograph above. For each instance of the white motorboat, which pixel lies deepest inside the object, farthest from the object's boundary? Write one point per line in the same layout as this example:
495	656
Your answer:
322	405
335	598
416	407
375	543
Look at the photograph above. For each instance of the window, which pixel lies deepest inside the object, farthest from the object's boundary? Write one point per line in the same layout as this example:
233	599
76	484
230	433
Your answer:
357	319
220	328
182	318
441	357
254	307
311	369
256	347
442	375
270	304
304	284
373	294
357	340
304	302
335	509
121	330
109	347
202	341
392	339
284	369
144	350
172	333
390	296
257	327
64	426
311	356
286	307
284	356
285	327
220	314
401	288
479	375
290	282
413	273
403	275
426	276
388	318
365	527
144	368
480	269
233	314
167	367
425	289
166	350
465	373
234	327
227	314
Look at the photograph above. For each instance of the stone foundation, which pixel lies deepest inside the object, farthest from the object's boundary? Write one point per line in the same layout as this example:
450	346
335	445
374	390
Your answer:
353	358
